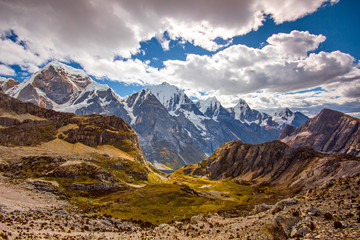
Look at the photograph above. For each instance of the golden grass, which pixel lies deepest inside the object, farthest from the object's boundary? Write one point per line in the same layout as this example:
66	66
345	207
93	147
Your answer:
20	117
63	129
63	148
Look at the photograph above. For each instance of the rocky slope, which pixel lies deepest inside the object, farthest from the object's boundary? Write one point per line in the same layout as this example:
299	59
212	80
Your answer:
274	163
330	131
91	152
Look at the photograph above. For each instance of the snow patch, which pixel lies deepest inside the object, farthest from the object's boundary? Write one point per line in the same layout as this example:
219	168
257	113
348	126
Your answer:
130	112
197	120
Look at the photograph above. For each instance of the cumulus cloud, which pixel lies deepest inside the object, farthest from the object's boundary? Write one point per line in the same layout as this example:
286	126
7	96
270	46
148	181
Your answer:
264	77
129	71
7	71
290	10
294	45
13	53
281	66
74	29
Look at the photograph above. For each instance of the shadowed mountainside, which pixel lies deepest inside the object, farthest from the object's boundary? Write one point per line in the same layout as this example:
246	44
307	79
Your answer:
330	131
273	163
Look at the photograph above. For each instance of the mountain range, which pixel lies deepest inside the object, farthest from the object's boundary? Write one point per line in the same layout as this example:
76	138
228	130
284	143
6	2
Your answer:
173	130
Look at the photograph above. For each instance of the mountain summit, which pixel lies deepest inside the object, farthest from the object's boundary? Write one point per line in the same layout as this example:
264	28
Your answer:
287	117
63	88
52	86
7	84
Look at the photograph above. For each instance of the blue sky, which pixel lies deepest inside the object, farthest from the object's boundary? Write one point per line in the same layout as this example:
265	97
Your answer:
303	55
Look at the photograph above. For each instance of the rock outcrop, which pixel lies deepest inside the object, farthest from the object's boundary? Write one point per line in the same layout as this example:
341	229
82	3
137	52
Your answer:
274	163
330	131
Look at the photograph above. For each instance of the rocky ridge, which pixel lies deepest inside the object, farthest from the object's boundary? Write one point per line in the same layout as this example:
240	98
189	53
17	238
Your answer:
274	163
330	131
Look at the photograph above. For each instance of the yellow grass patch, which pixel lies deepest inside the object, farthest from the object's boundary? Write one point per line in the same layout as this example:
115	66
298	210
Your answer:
66	128
62	147
21	117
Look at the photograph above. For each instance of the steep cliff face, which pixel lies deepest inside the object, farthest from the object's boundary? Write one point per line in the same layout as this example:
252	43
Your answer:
164	141
273	163
330	131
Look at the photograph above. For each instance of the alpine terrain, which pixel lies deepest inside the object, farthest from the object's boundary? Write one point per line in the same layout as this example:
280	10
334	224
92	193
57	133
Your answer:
330	131
173	130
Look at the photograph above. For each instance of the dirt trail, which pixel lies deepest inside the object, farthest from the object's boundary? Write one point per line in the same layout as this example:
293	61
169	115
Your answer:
20	197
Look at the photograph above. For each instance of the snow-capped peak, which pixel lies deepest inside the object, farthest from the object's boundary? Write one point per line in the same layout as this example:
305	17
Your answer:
169	95
240	109
285	113
284	117
242	104
4	80
209	106
68	69
95	86
6	84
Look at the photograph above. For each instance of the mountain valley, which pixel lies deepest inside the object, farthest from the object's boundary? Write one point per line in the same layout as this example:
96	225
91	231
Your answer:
88	176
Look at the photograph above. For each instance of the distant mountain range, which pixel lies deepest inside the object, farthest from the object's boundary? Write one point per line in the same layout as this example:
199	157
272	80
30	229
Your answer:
326	147
173	130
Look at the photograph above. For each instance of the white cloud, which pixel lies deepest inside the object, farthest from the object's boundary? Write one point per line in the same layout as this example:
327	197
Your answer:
294	45
282	11
7	71
281	66
14	54
73	29
310	102
130	71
